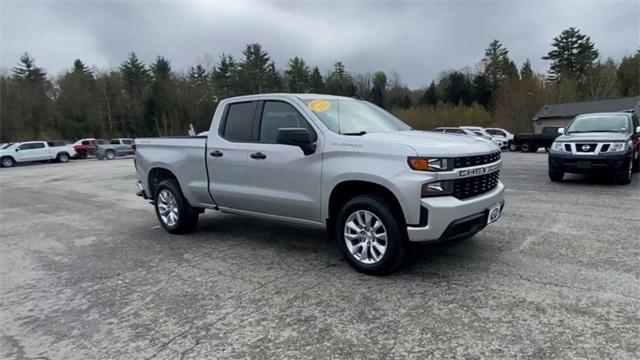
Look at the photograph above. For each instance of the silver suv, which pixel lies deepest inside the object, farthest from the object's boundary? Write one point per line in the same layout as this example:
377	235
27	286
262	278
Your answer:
331	162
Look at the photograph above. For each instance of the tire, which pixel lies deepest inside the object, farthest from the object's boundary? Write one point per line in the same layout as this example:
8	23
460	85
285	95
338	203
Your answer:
625	178
62	157
7	161
110	154
513	147
358	220
181	218
556	176
525	147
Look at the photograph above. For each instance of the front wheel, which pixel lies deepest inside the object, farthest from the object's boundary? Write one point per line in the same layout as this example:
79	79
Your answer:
371	235
625	178
556	176
172	209
110	154
525	147
513	147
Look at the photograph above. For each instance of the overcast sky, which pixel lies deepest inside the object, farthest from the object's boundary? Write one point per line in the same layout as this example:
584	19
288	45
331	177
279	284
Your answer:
417	39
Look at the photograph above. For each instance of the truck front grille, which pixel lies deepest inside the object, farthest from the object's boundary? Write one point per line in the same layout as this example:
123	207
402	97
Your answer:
476	185
582	147
466	161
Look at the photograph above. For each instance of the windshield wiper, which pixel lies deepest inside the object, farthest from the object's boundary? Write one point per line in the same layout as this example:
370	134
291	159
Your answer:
359	133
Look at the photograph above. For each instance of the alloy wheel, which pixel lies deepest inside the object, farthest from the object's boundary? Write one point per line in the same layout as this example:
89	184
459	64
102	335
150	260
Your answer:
168	207
365	237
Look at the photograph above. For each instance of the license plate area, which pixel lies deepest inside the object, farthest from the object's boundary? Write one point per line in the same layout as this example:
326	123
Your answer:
582	164
494	214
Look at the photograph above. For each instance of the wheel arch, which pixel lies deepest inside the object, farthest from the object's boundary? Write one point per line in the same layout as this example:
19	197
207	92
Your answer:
156	176
348	189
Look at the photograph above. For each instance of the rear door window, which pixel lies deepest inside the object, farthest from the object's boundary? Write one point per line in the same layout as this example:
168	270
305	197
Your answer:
238	123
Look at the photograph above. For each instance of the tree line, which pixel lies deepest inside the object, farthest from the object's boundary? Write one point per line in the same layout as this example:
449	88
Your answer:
137	99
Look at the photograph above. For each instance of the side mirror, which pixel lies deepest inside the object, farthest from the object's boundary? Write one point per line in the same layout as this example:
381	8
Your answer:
17	149
300	137
638	130
560	131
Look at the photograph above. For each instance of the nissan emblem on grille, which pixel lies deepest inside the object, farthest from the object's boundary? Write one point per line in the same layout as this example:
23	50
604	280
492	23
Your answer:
586	147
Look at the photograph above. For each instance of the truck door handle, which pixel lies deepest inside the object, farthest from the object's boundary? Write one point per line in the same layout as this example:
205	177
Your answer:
216	153
258	156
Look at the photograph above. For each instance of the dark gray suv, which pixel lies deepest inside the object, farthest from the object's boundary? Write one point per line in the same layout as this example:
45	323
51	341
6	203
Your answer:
600	143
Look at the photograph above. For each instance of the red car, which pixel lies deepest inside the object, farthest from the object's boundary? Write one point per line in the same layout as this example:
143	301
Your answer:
88	147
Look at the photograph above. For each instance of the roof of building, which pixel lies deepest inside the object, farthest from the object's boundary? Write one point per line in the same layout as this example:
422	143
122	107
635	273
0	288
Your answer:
568	110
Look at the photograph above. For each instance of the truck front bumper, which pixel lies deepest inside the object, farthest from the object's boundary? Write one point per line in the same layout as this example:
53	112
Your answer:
449	218
589	164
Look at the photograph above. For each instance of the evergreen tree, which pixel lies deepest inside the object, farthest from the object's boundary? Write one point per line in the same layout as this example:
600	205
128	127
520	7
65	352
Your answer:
136	78
27	70
77	114
629	75
430	96
497	65
339	82
526	71
135	75
254	69
273	80
482	92
573	55
226	77
316	82
298	76
198	76
160	105
456	88
405	101
377	95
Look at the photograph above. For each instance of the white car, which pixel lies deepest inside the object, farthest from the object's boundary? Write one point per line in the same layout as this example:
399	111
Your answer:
501	141
29	151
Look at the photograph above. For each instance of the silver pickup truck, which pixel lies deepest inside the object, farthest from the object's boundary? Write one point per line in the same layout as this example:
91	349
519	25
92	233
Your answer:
326	161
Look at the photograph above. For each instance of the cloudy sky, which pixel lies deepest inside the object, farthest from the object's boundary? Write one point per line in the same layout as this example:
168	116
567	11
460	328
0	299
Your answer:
417	39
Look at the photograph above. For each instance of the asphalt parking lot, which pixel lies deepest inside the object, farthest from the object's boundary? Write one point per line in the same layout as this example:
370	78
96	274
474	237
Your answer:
87	273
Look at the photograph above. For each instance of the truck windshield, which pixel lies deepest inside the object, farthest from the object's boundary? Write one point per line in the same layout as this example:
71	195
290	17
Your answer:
354	117
599	123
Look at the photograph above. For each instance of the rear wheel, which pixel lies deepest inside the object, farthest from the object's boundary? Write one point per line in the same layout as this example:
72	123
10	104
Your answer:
172	209
513	147
556	175
110	154
7	161
63	157
371	235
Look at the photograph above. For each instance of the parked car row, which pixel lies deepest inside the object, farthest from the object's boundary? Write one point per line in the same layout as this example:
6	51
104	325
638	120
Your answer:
498	136
62	150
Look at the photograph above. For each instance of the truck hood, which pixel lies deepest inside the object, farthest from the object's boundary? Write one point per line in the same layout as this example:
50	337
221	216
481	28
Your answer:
428	143
594	136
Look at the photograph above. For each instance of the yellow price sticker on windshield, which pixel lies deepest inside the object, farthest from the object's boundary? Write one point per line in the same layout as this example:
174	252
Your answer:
319	105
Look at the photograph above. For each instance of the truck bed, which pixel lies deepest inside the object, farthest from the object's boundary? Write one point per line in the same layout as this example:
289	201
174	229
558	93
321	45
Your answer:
184	156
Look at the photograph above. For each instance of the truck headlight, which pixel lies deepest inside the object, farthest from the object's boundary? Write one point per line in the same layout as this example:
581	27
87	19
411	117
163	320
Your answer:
558	146
429	164
437	188
617	147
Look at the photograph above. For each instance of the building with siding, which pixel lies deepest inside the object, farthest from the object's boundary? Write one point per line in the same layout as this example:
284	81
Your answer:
559	115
